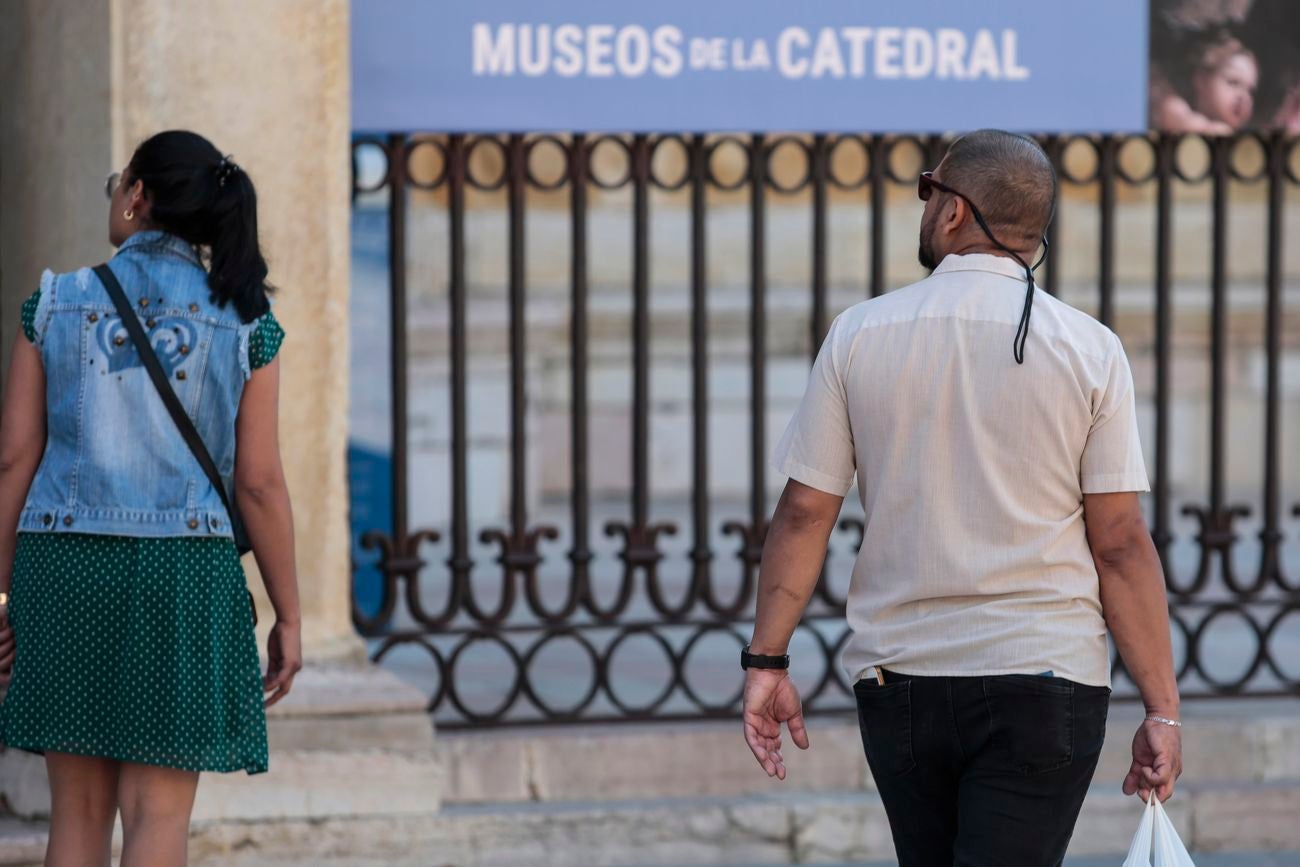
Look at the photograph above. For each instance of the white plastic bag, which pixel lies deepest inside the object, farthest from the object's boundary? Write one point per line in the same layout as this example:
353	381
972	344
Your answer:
1156	831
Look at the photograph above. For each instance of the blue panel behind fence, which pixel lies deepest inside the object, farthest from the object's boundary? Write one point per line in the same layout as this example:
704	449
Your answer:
370	498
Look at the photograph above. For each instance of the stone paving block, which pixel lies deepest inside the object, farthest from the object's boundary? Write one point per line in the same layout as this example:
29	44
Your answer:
1224	750
1247	817
689	833
391	731
347	690
1281	750
841	830
486	767
318	784
1109	819
24	783
700	759
1212	750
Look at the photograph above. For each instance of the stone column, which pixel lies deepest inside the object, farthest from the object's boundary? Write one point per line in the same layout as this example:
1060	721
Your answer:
86	80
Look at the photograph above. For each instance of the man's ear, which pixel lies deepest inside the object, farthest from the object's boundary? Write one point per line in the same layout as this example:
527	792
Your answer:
955	212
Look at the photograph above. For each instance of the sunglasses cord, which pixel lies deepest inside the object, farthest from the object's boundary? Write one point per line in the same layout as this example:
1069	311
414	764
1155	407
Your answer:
1022	331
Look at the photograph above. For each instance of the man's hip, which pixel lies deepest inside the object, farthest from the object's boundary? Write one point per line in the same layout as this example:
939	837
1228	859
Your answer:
981	770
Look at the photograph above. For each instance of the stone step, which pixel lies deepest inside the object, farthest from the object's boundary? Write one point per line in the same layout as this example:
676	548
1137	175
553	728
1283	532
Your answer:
830	828
1224	741
348	741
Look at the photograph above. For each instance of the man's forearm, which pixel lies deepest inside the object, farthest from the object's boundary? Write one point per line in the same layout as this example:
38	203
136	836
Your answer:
1136	610
792	562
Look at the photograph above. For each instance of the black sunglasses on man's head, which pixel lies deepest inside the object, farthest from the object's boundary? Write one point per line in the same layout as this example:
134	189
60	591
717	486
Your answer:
926	185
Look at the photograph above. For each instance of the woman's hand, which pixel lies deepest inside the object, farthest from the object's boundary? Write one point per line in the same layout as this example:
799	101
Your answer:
284	660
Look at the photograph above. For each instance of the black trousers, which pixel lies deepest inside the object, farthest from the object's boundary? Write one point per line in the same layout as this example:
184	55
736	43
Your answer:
981	770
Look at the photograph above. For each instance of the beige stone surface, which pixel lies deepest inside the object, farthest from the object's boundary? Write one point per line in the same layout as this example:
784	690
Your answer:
347	741
55	145
661	761
1257	817
841	830
1238	742
327	689
684	761
24	784
317	784
1109	819
803	828
268	83
678	834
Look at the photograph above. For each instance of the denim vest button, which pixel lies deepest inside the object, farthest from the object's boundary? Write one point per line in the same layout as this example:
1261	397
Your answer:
94	317
194	308
47	519
194	523
67	520
151	323
144	302
185	350
180	374
119	340
214	523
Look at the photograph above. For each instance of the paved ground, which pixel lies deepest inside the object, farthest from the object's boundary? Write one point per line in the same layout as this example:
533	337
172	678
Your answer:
1217	859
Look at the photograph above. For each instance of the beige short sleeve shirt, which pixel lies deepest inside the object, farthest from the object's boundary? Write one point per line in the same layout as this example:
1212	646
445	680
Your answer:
971	469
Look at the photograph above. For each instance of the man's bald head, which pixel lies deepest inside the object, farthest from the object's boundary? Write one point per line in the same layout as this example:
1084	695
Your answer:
1009	179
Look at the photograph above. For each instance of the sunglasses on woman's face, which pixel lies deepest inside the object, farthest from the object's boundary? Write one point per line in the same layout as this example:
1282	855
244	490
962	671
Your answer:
111	184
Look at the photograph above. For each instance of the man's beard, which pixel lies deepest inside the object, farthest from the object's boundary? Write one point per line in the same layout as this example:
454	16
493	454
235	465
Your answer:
925	248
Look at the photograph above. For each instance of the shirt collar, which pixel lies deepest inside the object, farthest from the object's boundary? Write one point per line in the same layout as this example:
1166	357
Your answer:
158	240
1003	265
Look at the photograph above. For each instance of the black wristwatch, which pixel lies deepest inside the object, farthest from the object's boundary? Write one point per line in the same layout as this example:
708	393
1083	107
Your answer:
757	660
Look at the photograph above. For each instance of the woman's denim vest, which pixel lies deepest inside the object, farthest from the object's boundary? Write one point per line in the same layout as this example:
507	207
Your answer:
114	461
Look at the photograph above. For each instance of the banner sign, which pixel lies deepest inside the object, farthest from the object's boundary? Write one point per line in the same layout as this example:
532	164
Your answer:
757	65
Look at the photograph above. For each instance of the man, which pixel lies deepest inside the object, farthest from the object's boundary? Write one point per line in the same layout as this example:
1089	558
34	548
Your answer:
998	463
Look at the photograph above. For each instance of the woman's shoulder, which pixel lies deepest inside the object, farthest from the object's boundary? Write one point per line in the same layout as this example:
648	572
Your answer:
54	288
68	285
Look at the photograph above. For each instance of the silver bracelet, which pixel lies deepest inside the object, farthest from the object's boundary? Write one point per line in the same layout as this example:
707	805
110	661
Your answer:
1168	722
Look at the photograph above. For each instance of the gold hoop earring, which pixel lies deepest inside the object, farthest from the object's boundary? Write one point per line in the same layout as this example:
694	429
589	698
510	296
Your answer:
128	214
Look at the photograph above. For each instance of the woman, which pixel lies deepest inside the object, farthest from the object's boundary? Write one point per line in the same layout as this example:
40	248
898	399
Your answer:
132	654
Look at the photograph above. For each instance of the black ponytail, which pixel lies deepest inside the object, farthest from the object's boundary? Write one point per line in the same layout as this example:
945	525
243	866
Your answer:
206	199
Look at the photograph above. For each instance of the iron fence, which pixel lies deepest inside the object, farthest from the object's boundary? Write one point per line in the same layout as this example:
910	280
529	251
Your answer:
462	603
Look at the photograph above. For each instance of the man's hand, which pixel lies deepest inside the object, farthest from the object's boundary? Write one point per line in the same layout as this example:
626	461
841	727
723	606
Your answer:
771	699
1157	761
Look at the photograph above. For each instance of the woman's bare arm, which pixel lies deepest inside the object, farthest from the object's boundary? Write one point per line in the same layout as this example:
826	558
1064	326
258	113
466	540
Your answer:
22	444
263	500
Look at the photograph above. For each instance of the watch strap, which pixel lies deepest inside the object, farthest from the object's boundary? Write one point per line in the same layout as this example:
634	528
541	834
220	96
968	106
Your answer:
757	660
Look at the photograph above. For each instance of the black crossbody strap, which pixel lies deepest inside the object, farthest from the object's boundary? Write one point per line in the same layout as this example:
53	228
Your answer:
165	390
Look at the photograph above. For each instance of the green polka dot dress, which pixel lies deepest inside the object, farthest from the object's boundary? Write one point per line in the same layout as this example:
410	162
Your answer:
137	649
